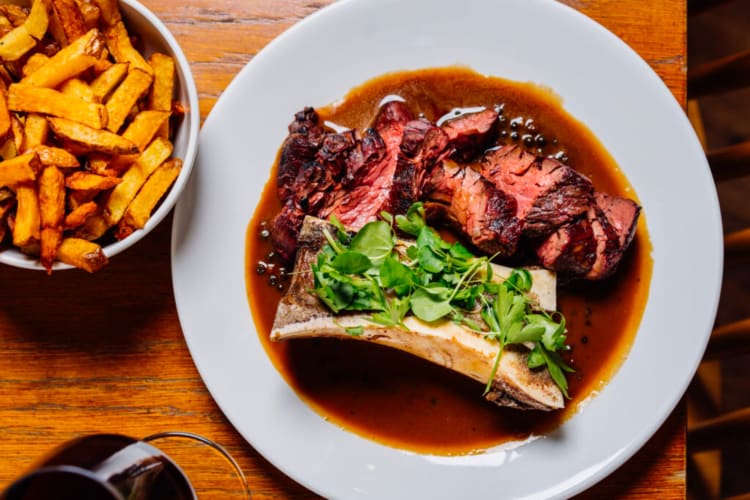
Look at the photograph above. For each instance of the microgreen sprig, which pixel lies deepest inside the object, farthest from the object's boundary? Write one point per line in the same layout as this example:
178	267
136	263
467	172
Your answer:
434	279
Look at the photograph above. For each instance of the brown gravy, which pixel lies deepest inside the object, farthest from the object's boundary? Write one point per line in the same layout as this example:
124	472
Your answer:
402	401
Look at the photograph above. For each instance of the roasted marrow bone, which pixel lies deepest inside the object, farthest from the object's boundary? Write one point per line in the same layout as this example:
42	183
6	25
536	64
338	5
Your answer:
301	315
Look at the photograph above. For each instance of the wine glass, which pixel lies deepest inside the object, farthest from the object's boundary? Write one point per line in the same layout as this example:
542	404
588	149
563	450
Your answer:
118	467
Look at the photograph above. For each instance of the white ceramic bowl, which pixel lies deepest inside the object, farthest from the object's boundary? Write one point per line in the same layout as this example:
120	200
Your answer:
154	37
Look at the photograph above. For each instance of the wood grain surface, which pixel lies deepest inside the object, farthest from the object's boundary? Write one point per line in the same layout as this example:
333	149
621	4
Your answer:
104	353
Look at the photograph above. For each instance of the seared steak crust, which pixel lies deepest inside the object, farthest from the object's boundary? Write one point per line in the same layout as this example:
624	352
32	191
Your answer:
472	205
471	133
549	193
503	199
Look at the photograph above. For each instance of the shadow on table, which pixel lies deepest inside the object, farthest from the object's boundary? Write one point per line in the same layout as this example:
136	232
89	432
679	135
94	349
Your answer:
106	311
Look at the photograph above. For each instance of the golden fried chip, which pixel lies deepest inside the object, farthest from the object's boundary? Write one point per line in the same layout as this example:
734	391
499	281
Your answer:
16	43
36	22
108	80
162	90
155	154
4	112
118	43
35	131
110	11
26	227
15	14
51	102
143	127
139	210
133	87
68	62
70	19
81	253
19	169
34	62
89	139
78	88
51	156
52	213
87	181
78	216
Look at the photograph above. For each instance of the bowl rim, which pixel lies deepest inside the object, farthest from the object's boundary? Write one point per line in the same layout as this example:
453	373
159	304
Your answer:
13	257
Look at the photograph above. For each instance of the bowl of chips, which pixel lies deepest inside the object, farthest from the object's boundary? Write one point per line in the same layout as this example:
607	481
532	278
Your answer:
99	124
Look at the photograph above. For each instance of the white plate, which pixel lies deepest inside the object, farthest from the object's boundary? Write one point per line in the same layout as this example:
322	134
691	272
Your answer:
603	83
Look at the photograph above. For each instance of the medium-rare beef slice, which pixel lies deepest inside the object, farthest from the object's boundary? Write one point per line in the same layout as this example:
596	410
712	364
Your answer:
300	147
471	134
474	207
549	193
572	248
392	112
422	145
393	182
310	190
369	192
587	248
284	228
320	170
622	214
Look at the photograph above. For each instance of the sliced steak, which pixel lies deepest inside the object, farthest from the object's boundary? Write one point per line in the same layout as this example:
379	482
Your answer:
300	147
369	192
549	193
392	112
471	133
474	206
622	214
586	248
393	181
571	248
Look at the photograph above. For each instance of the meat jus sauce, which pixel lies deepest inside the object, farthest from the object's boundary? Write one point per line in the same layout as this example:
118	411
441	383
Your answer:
403	401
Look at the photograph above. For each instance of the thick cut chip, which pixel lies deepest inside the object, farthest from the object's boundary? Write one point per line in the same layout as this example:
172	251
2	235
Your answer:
37	22
118	43
93	229
85	181
155	154
51	102
81	253
78	88
19	170
35	131
158	183
52	213
143	127
16	43
122	100
33	63
15	14
162	90
78	216
108	80
90	139
110	11
90	13
69	18
4	112
51	156
68	62
26	230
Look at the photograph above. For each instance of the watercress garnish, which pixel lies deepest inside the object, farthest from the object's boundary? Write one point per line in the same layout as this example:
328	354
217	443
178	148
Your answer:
434	279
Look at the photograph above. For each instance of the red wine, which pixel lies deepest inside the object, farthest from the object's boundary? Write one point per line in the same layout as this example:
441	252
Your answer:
103	467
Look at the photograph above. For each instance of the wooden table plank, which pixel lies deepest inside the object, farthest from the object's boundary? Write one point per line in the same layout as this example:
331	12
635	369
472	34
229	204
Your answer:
105	353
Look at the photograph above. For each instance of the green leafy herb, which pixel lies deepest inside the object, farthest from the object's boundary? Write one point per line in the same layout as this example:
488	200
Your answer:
435	280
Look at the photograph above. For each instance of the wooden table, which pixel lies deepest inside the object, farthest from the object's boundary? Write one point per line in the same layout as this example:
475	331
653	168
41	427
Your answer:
105	353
